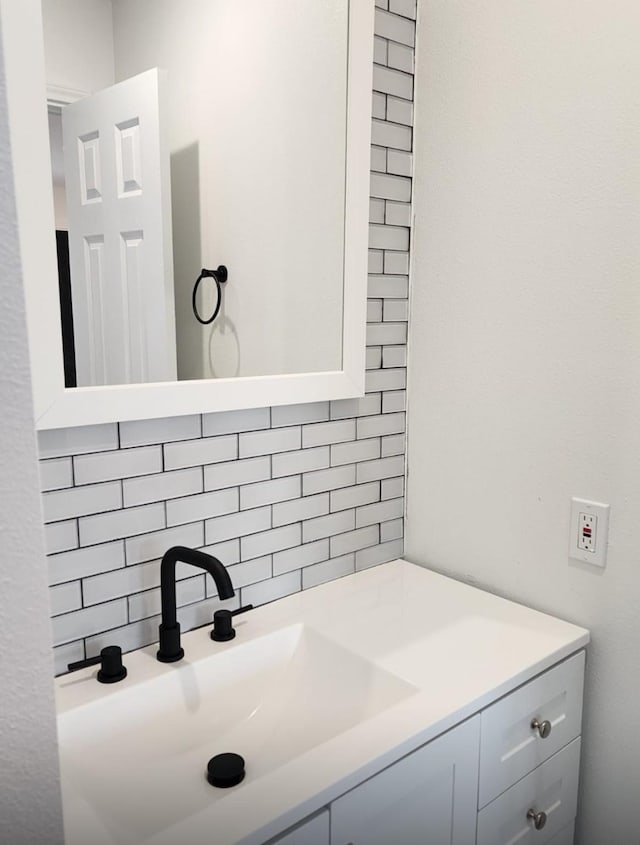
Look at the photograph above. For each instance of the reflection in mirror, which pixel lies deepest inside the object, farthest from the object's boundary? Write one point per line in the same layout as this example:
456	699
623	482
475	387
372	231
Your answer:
188	134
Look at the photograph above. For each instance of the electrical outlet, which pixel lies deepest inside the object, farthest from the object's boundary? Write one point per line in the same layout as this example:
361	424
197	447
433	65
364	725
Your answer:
589	531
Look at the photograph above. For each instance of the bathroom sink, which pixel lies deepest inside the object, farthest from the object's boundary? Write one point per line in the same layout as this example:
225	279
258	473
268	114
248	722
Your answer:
135	761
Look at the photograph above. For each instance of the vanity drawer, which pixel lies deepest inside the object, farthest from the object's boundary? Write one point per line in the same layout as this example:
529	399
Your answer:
509	746
551	789
565	837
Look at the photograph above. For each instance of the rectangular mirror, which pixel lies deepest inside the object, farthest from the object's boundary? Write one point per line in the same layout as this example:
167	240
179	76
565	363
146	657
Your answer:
208	158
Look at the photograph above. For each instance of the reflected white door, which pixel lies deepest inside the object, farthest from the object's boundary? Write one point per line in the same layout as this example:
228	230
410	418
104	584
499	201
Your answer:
120	251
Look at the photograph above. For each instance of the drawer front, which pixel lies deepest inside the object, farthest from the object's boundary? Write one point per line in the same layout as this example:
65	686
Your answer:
565	837
551	789
509	746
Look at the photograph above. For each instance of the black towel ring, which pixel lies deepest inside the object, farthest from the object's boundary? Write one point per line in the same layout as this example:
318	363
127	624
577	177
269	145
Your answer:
220	275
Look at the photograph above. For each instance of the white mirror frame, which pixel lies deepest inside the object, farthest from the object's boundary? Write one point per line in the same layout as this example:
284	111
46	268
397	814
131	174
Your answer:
58	407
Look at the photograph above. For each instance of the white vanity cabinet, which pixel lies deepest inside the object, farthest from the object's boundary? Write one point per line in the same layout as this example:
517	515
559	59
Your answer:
508	774
428	796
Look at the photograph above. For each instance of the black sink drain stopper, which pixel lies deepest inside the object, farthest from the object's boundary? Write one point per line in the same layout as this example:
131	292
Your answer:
225	770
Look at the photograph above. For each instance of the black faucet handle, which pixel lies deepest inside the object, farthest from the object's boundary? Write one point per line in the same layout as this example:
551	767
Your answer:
223	629
111	668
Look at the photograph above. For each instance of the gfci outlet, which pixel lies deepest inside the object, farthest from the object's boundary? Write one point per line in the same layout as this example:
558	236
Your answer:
589	531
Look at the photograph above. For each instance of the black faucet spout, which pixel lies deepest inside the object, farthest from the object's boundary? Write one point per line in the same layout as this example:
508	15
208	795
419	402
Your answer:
170	649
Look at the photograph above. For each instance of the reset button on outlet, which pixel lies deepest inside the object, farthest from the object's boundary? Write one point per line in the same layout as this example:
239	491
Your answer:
589	531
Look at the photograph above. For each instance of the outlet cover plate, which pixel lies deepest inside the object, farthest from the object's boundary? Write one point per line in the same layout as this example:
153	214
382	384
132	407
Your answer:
581	508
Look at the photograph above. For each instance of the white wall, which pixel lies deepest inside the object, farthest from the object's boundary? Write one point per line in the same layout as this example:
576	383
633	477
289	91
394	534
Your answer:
78	38
30	810
525	340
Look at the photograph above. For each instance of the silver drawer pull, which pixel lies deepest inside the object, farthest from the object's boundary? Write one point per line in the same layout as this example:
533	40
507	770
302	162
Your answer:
543	728
539	819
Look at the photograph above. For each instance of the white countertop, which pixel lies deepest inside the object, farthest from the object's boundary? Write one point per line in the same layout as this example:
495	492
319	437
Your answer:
461	648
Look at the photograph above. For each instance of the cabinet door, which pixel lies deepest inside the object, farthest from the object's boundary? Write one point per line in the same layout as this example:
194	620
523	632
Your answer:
427	798
313	831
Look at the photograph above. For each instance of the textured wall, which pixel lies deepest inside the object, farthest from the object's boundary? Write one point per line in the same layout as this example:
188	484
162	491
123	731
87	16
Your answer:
287	497
30	812
525	342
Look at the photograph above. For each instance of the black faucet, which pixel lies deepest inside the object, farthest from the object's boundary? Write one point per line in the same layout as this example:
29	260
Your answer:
170	649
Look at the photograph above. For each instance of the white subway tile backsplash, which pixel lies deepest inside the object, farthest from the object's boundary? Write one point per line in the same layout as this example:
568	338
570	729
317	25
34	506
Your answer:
202	506
91	620
395	310
209	450
394	356
231	422
407	8
396	136
384	468
328	570
388	286
117	524
393	401
396	262
379	554
267	492
65	597
400	57
154	544
399	111
391	379
380	46
304	460
327	526
121	582
63	655
351	541
360	407
386	80
380	512
379	106
300	556
82	563
162	486
163	430
299	414
315	502
125	463
272	589
285	513
80	501
382	424
393	444
401	163
392	530
395	28
269	442
329	432
267	542
228	551
237	525
61	536
57	442
392	488
234	473
350	453
351	497
328	479
388	187
249	572
143	605
56	474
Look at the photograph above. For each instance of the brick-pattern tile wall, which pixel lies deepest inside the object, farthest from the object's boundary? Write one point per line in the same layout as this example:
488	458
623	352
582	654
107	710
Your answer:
287	497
